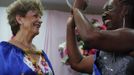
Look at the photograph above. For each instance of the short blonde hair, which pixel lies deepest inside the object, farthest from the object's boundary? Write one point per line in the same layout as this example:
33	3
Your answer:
21	7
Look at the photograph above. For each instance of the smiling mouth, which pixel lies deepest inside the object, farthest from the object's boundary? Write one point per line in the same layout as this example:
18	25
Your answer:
37	25
107	21
106	18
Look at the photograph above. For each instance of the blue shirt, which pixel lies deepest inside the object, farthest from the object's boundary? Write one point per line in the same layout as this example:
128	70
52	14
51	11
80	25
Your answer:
11	61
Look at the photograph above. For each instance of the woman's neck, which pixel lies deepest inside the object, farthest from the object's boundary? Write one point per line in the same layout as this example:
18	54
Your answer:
23	39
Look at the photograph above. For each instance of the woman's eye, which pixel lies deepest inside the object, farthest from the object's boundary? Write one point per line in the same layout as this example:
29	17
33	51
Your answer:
36	16
109	8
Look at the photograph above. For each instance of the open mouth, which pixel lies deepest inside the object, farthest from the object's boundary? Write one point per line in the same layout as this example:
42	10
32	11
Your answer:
106	18
107	21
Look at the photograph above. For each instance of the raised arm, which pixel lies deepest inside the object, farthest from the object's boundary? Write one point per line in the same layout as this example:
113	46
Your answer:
76	60
120	40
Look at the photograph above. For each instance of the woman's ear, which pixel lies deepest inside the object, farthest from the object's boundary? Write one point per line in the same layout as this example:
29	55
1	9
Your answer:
19	19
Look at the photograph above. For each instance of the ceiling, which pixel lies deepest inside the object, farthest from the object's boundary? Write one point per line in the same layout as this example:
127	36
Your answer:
95	6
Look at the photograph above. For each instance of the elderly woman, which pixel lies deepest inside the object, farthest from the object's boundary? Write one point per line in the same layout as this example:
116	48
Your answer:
19	56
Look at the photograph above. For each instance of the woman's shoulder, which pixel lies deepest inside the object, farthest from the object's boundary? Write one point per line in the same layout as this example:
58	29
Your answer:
6	46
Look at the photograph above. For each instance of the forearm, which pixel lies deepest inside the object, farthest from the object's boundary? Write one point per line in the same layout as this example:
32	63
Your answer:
76	60
84	26
73	52
120	40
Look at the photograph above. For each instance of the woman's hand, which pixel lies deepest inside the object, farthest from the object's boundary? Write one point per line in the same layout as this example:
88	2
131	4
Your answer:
80	4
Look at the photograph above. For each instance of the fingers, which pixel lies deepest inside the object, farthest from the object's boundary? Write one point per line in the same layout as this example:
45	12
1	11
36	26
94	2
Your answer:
79	17
80	4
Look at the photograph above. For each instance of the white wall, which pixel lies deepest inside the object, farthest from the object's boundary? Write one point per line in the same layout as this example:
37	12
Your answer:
5	32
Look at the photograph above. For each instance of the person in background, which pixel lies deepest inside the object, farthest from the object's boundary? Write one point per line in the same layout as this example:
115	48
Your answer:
115	45
19	56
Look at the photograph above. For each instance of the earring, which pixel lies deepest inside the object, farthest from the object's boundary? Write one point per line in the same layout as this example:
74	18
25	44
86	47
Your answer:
124	22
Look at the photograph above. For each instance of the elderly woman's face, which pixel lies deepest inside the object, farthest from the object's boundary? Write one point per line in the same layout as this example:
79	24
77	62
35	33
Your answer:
31	22
114	12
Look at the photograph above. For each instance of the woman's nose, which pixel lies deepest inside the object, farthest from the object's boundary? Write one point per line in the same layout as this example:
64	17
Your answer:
39	19
40	22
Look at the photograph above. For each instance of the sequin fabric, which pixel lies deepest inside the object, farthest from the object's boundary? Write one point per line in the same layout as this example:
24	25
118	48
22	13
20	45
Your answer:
114	64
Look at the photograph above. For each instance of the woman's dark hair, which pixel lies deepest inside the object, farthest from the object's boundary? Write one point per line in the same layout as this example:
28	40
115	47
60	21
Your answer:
129	2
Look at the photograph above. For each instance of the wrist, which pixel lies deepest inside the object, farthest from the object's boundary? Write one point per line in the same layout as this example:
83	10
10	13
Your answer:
70	22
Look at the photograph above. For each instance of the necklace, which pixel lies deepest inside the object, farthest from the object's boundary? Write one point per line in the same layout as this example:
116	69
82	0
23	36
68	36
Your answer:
35	63
35	58
27	51
33	55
